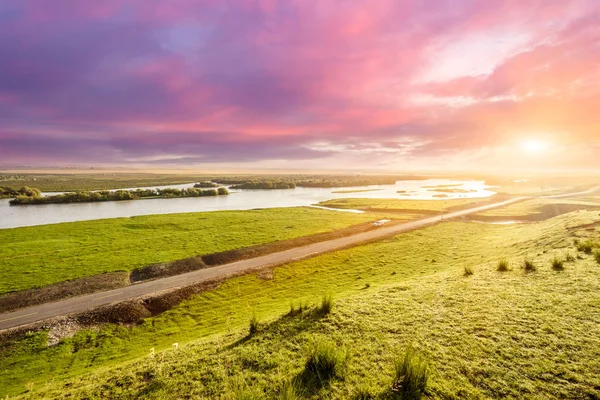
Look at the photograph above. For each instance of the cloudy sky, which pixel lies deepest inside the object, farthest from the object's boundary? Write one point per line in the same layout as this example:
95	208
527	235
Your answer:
373	84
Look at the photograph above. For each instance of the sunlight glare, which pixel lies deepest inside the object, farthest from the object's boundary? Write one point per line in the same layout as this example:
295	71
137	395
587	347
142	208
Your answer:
534	146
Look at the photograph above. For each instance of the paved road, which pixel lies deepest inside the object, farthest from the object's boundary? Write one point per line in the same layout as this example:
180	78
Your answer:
140	290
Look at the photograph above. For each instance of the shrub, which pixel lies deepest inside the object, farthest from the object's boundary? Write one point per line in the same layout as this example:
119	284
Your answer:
324	362
597	256
557	264
367	285
529	266
326	305
411	375
468	271
502	265
254	325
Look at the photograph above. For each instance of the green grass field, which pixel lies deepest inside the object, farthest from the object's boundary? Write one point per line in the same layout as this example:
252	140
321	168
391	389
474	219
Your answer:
398	204
543	208
493	334
37	256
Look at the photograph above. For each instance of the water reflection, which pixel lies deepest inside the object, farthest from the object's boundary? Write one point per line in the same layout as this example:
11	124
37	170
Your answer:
17	216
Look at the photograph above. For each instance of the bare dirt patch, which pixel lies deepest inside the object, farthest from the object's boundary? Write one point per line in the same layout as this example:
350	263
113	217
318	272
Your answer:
167	269
62	329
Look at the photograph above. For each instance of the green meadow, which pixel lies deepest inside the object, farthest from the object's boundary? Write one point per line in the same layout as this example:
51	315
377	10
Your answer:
400	204
513	334
41	255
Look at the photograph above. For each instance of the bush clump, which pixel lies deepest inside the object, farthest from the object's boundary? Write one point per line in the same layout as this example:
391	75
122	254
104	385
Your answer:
411	373
529	266
502	265
326	305
557	264
597	256
468	271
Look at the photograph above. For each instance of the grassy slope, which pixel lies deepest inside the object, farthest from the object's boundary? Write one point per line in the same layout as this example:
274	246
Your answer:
399	204
41	255
489	334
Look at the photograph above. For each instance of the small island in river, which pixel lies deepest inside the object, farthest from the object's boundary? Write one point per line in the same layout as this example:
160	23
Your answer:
117	195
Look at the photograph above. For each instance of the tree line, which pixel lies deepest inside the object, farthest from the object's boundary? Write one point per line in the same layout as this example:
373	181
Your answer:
265	185
309	181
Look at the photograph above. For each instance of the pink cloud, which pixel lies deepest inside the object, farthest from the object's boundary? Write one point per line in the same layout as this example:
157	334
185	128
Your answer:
452	76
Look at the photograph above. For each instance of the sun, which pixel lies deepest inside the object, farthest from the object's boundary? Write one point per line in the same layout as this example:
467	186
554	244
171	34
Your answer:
534	146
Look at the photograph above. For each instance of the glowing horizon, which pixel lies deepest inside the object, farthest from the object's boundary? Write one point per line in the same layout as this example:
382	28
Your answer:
267	84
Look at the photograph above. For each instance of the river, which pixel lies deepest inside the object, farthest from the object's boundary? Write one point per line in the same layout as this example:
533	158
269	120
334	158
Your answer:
18	216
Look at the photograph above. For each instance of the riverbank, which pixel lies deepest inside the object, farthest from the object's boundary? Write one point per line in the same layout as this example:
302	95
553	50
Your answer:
12	217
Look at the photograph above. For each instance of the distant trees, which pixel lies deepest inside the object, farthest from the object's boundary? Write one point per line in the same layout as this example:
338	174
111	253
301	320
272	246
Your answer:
206	184
117	195
309	181
265	185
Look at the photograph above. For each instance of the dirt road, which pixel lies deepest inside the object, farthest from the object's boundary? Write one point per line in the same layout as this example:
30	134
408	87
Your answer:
145	289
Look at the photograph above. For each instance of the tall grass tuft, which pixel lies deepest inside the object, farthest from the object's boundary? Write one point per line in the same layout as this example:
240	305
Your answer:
557	264
468	271
326	305
529	266
239	390
569	257
289	391
586	247
296	310
364	393
411	375
254	325
324	362
502	265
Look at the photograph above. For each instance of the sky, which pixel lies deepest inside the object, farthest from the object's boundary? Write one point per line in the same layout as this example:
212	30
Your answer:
384	85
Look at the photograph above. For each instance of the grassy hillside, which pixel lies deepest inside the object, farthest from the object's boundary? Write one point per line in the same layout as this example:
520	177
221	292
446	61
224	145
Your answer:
492	334
41	255
517	335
